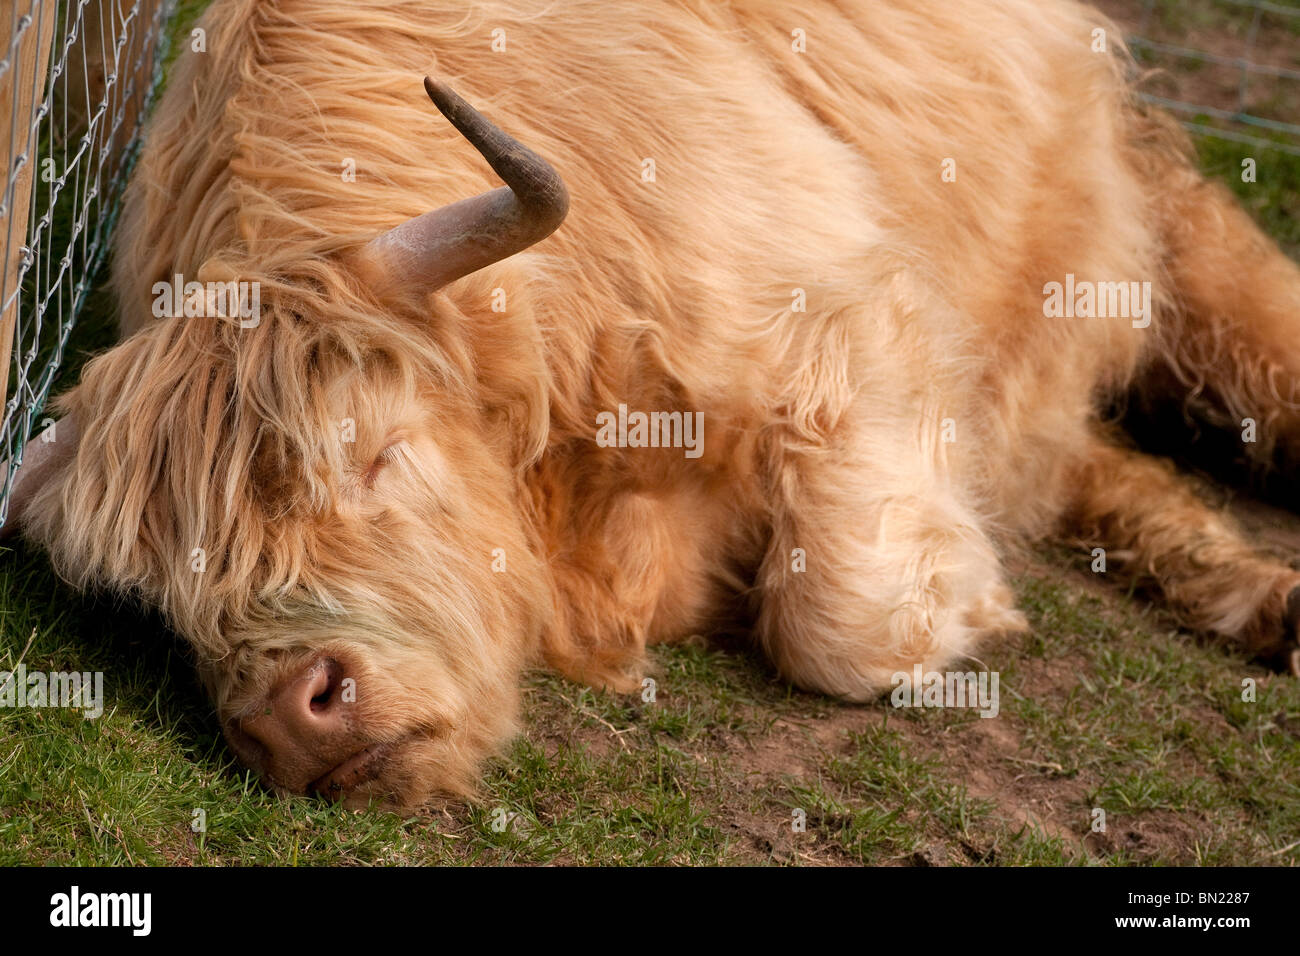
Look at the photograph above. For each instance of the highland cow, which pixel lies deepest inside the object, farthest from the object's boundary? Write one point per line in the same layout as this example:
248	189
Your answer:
828	229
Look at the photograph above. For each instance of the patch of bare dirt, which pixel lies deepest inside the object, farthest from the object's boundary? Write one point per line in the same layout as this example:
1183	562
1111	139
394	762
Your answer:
1154	834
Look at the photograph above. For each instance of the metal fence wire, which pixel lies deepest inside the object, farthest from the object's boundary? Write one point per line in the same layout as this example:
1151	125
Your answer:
77	78
76	81
1260	87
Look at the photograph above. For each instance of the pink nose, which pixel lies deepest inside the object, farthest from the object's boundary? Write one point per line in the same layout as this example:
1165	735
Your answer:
304	728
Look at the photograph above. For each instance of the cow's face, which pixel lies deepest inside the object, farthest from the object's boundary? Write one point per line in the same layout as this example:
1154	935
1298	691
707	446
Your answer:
390	664
326	501
340	540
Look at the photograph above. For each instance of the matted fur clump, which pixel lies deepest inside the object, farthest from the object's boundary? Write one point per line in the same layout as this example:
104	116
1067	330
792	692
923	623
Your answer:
824	231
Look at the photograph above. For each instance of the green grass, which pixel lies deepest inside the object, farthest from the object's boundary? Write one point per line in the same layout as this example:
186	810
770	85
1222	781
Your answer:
1274	198
1148	725
1105	706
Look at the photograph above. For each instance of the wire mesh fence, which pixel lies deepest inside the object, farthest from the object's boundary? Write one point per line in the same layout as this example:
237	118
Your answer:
1229	69
76	80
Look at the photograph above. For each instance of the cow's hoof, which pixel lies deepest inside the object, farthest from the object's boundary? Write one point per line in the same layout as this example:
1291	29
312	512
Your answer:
1291	650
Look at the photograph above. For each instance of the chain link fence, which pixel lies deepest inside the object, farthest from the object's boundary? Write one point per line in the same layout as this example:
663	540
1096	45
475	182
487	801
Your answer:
76	80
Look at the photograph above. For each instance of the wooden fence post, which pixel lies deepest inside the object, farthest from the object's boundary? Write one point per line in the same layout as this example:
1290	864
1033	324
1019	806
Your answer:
22	90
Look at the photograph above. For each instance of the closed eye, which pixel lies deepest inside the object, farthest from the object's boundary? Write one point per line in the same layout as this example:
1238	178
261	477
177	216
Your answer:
372	473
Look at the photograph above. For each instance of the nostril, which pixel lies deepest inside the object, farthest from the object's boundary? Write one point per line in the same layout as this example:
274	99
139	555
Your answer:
302	715
325	685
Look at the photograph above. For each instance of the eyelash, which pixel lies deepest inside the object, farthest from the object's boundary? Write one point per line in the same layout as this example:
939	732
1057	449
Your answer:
372	473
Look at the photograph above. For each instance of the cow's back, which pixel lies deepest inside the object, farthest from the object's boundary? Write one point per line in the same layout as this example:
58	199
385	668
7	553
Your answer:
720	157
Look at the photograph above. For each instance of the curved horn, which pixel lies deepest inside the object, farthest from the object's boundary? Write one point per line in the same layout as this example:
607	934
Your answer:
441	246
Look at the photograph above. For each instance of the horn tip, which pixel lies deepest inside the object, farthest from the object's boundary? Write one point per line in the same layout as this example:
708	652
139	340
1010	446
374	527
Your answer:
442	95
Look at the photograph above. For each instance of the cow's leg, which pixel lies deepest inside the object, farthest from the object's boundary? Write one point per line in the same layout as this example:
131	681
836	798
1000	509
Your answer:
874	565
631	569
1230	350
1156	531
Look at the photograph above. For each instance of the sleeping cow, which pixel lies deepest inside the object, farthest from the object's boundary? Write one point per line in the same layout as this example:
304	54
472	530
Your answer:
669	307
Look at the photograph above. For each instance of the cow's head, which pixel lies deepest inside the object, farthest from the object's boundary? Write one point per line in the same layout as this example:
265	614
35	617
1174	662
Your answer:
326	502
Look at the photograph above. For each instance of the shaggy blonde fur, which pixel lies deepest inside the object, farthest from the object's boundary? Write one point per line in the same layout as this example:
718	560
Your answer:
775	171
